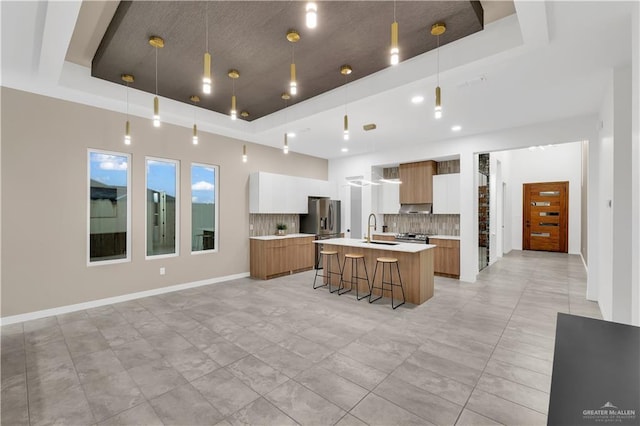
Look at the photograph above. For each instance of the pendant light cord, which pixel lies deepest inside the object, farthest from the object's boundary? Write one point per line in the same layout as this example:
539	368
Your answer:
438	56
127	100
206	26
394	10
346	93
156	71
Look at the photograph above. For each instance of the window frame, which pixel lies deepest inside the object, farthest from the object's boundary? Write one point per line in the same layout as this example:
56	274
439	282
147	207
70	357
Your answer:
216	211
176	253
126	259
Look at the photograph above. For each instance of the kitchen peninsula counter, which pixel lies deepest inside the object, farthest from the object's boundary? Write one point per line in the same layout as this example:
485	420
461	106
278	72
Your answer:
415	262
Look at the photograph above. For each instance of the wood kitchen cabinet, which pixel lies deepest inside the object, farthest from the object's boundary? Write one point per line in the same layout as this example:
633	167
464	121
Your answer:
446	257
280	256
381	237
417	187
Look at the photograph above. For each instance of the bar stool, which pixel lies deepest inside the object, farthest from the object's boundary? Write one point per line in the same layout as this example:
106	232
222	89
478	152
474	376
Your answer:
354	257
387	261
329	272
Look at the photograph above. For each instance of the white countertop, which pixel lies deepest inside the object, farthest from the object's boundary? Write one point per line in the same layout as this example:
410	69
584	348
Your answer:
281	237
360	243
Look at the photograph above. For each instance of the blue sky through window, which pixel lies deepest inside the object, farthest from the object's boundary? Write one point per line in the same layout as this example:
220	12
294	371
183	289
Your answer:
161	176
108	169
203	183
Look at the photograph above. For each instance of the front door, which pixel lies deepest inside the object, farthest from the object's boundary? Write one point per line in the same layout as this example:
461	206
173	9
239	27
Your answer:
545	216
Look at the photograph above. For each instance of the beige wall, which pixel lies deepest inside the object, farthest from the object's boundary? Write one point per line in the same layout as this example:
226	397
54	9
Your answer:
44	202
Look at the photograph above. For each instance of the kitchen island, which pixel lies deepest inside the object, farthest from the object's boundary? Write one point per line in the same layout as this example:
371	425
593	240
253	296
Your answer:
415	262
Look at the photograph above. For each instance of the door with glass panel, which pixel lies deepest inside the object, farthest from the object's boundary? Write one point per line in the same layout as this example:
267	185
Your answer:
545	216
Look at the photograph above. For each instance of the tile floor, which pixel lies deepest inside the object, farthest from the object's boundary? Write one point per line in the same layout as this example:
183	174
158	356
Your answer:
278	352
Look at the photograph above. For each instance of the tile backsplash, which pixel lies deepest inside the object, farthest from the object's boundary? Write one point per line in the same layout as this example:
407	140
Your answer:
265	224
435	224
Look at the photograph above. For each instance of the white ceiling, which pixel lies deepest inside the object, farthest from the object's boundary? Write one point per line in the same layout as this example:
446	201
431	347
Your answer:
551	60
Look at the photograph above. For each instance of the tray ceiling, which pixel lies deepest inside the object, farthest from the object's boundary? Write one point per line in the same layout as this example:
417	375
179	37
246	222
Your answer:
250	36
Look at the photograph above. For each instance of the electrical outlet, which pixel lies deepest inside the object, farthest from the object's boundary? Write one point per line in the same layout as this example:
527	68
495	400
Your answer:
162	271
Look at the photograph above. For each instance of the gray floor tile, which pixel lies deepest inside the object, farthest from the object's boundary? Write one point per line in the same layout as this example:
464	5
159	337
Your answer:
521	360
514	392
261	412
269	331
305	348
374	410
98	364
42	336
68	407
349	420
425	404
111	395
140	415
378	359
136	353
353	370
224	391
445	367
13	363
156	378
541	382
303	405
224	352
53	380
192	363
283	360
259	376
77	328
248	340
47	356
503	411
86	344
119	335
168	343
470	418
427	380
340	391
14	401
201	337
184	405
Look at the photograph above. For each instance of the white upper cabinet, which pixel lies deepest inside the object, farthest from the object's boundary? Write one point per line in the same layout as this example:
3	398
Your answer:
388	198
446	194
274	193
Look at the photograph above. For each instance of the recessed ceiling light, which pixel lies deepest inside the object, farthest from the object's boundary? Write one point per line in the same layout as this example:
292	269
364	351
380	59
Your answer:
345	150
456	128
291	134
417	99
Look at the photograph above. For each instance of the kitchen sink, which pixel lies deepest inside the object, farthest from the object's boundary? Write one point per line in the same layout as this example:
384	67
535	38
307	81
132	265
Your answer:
384	243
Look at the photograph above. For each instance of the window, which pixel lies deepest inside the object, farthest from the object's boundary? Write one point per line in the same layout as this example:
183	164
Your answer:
109	222
204	205
162	207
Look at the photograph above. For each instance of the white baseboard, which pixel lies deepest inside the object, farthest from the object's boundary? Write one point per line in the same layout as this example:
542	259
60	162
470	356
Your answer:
586	268
116	299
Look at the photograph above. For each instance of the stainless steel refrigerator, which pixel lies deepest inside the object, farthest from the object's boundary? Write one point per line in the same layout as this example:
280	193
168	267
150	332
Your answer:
323	220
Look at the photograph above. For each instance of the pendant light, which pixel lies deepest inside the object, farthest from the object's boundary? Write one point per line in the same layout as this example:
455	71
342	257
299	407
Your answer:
244	153
437	30
157	43
195	99
395	58
285	147
127	78
312	14
233	75
293	36
345	70
206	76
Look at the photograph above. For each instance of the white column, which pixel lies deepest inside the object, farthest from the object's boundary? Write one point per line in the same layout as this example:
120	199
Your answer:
635	166
468	217
623	225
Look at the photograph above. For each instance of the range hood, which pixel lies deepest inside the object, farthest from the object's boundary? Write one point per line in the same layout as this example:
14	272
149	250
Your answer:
416	208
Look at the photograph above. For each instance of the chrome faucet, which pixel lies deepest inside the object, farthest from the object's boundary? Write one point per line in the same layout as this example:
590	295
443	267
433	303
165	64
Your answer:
369	226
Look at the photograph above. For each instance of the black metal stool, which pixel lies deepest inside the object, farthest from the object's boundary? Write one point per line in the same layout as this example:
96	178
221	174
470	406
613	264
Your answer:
329	272
354	257
387	261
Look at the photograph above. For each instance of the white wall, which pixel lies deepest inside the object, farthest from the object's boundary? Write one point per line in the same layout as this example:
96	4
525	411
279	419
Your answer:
559	131
553	164
635	128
